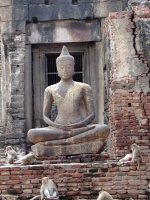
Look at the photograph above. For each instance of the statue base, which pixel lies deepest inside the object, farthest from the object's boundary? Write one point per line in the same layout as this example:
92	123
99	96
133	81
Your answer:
81	148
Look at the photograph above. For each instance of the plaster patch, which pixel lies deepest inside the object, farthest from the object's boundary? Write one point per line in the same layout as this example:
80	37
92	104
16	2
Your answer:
35	36
138	114
142	85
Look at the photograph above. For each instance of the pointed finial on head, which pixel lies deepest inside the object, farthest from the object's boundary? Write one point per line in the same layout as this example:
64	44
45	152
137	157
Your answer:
64	51
65	55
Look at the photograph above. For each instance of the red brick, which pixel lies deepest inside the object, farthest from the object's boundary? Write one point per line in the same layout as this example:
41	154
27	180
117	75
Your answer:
77	175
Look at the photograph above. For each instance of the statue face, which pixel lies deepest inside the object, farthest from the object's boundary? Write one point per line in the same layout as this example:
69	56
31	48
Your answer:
65	69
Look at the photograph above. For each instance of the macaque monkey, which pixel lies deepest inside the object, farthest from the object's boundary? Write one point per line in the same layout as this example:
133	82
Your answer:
11	155
48	188
103	195
136	156
127	158
27	159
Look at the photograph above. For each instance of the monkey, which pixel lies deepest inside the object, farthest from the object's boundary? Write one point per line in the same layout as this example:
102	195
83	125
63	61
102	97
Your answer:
48	188
11	155
103	195
27	159
136	156
127	158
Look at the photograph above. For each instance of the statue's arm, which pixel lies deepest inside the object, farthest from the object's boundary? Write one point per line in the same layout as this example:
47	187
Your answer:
89	104
48	100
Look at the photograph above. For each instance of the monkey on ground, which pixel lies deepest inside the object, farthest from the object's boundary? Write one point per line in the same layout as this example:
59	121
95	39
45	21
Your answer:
103	195
27	159
48	188
136	156
11	155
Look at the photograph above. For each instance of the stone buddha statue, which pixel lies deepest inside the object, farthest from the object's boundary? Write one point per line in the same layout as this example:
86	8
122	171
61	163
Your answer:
72	132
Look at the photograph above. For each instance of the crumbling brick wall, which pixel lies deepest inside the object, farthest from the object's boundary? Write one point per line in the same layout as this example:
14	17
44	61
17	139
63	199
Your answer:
76	180
127	59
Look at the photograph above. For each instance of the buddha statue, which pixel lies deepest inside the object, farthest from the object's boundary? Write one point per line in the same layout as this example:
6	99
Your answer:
72	132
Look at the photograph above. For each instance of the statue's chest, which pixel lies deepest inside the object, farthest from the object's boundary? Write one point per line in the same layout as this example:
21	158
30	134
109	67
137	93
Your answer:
72	97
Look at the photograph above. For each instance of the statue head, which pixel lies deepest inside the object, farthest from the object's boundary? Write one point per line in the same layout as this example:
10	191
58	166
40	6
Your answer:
65	64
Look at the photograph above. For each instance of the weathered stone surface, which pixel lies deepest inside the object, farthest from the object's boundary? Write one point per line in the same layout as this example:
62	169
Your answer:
89	1
13	26
20	2
142	85
12	141
129	65
19	13
17	98
17	105
60	11
60	1
63	32
6	13
87	147
2	137
83	11
15	135
37	1
47	12
102	9
6	3
144	36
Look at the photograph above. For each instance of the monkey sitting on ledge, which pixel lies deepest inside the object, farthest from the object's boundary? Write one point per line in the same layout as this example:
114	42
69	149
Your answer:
11	155
26	160
136	156
48	190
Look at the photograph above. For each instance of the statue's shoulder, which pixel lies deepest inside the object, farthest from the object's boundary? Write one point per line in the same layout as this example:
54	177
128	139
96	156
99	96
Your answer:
84	86
51	88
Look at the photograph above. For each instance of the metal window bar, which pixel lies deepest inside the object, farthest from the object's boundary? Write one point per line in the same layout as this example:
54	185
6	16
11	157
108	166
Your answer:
53	78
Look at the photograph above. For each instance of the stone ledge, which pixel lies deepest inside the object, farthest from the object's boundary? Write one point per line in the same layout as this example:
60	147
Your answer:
83	158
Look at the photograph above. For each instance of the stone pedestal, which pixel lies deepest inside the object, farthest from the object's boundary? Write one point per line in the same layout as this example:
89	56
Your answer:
81	148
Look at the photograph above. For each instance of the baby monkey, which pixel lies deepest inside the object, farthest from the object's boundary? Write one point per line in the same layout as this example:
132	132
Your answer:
103	195
11	155
136	156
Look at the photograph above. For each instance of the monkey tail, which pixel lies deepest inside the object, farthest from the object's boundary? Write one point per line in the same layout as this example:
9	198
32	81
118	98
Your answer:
36	197
139	169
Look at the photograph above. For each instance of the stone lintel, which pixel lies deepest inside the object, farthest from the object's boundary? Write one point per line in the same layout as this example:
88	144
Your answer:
63	32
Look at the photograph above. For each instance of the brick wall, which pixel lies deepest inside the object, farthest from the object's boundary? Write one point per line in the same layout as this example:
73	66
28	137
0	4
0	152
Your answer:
77	180
127	62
